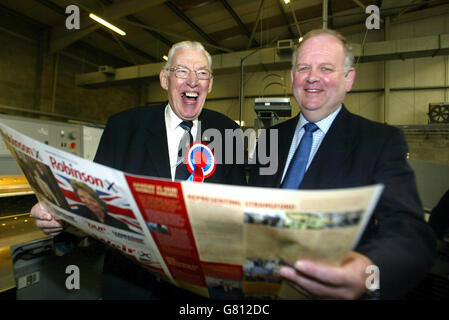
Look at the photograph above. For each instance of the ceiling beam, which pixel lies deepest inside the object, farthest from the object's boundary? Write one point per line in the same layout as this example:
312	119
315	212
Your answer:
123	45
238	20
187	20
255	24
284	15
41	27
127	46
296	20
61	37
176	35
304	15
405	9
153	33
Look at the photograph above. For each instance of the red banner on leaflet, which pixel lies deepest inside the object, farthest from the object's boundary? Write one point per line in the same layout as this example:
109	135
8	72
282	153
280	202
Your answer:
163	209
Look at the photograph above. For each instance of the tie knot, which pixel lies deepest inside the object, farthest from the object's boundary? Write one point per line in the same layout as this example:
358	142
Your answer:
186	125
310	127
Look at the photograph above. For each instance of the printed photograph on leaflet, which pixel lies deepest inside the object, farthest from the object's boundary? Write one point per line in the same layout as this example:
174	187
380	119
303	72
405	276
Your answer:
92	202
304	220
104	206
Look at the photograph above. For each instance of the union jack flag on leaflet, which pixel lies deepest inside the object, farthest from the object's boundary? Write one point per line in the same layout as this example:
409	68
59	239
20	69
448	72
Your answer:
118	207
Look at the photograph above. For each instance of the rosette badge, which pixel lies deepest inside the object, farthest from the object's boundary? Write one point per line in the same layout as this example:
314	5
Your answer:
200	161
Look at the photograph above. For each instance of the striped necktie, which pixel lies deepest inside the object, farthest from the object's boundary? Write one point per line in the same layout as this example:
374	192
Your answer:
181	169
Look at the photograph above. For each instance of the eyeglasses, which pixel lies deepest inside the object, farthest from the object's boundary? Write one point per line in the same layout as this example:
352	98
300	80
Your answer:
184	72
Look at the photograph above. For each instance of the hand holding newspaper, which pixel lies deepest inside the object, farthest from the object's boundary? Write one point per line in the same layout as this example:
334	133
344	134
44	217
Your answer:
219	241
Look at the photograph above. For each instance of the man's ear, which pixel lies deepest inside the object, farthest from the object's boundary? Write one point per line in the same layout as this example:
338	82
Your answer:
349	78
163	78
211	81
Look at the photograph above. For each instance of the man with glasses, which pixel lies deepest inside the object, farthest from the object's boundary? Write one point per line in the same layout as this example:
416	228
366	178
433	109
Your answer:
146	141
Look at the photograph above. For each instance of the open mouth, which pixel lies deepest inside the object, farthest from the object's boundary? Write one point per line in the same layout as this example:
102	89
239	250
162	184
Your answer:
190	95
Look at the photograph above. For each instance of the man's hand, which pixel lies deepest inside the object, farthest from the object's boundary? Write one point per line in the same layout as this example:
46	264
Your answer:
46	221
318	280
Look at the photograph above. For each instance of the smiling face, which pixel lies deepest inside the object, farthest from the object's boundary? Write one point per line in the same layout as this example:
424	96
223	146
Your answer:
318	81
187	96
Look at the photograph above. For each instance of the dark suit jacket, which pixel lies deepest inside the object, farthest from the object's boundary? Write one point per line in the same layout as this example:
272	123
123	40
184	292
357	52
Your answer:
439	217
135	141
357	152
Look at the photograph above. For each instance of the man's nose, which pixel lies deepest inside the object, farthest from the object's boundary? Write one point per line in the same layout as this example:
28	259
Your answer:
192	79
313	75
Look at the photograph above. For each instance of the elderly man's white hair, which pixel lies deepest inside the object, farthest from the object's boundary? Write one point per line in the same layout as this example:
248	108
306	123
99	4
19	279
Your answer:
187	45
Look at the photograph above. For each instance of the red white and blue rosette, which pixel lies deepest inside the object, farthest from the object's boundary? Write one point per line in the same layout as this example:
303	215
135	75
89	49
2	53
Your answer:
200	161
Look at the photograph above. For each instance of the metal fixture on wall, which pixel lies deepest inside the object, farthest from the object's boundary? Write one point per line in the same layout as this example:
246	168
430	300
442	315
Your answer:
282	84
269	110
438	112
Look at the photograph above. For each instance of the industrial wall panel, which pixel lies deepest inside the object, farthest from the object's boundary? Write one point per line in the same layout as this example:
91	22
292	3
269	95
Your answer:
402	107
429	71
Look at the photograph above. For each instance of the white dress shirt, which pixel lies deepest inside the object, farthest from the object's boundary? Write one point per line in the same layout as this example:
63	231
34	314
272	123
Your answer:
318	136
174	135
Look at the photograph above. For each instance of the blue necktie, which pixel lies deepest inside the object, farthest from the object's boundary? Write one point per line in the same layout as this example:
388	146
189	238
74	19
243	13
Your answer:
296	170
181	172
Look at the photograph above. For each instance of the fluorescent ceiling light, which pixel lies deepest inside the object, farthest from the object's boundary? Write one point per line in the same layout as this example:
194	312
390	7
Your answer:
107	24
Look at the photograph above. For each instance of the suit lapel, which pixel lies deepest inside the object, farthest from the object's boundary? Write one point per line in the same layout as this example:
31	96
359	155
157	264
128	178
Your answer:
334	151
156	147
285	141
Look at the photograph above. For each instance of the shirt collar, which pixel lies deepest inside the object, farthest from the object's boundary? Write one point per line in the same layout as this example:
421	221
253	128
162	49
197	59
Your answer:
324	124
172	119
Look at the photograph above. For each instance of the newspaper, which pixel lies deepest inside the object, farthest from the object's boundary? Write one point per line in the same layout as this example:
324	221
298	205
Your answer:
218	241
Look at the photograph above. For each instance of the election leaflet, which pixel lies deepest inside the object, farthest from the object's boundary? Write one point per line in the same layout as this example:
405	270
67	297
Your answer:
218	241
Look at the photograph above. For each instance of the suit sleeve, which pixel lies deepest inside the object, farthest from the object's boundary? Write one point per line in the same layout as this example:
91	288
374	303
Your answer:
399	241
439	217
105	153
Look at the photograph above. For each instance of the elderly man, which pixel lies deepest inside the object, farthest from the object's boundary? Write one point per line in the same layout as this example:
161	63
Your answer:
146	141
327	147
